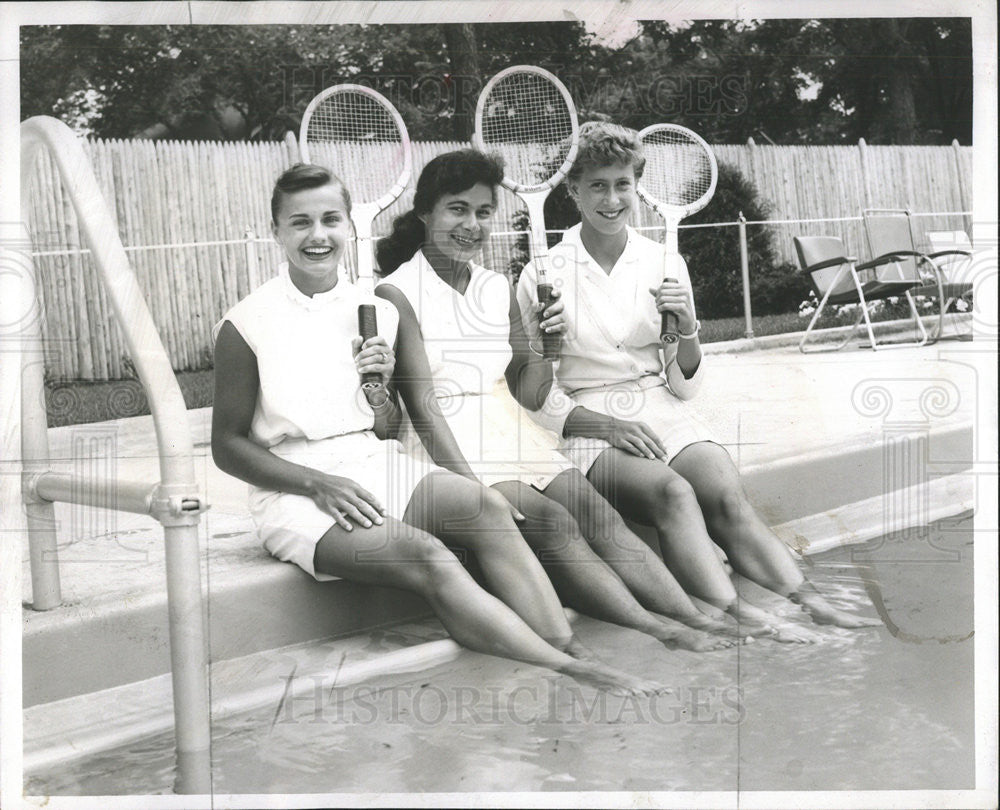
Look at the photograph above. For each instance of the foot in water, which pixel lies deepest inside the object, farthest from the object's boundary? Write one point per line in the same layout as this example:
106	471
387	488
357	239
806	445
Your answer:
822	612
608	679
675	634
759	623
725	626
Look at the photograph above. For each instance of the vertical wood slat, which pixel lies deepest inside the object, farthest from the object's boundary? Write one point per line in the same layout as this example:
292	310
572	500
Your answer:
169	192
50	270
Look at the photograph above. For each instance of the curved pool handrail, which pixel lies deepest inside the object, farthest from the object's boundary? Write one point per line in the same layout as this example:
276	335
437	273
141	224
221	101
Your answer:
174	502
166	402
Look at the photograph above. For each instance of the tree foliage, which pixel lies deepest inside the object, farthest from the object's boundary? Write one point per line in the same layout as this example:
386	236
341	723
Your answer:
889	80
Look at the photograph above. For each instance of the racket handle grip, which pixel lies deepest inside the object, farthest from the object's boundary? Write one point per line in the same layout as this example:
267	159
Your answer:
668	323
368	327
551	342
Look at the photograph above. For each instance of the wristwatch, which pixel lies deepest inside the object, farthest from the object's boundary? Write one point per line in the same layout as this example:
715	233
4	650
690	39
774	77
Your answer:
379	397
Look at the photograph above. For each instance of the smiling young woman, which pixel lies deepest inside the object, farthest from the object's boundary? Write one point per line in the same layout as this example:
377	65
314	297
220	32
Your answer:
632	431
329	490
460	336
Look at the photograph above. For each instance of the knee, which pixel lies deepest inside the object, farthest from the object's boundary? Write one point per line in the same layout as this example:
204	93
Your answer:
671	494
494	509
552	518
430	565
728	506
491	529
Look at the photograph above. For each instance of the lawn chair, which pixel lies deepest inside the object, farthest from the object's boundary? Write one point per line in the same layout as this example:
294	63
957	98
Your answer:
890	231
836	279
951	252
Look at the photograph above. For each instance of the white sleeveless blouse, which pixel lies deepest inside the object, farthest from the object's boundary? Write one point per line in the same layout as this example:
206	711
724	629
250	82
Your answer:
467	341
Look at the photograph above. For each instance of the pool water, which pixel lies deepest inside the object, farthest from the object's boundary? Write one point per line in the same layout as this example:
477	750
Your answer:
881	708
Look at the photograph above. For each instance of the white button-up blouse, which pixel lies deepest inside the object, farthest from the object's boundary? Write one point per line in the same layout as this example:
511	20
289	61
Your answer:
613	326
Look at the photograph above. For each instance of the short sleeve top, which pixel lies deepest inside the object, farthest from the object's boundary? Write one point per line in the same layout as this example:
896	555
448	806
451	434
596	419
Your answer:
612	322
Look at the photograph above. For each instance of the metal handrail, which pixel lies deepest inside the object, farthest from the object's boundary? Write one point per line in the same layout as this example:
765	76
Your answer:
174	501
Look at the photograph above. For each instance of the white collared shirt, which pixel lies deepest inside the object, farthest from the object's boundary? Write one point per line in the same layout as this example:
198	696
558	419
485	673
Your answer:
466	336
309	383
612	322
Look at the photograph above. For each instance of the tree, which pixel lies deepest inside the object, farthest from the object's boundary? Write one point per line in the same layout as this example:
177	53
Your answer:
890	80
464	60
905	80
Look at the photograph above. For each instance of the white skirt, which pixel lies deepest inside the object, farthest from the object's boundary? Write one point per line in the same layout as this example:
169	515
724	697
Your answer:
498	439
290	525
647	400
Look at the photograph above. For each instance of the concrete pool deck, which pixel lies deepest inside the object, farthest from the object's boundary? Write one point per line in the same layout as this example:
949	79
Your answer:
820	439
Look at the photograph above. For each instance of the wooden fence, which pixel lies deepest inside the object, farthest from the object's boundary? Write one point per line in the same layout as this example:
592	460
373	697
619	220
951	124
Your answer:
185	209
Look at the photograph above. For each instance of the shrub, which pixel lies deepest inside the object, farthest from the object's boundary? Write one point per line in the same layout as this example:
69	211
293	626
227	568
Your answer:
713	255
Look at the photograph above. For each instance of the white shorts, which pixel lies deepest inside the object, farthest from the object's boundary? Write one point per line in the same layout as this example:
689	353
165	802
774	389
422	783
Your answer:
647	400
290	526
499	440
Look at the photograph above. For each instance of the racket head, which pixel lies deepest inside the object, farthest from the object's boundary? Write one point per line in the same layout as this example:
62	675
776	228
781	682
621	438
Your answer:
527	106
360	136
681	171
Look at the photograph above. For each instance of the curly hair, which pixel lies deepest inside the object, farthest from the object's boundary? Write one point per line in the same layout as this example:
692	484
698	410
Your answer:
447	173
604	144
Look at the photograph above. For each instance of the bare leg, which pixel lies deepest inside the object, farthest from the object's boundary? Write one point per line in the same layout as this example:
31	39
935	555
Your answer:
463	513
584	580
639	567
753	549
401	556
651	493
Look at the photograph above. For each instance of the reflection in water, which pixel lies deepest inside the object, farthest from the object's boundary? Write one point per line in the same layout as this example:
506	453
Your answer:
868	709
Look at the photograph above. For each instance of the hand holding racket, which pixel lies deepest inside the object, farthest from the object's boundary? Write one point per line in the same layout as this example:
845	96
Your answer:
526	115
679	179
356	133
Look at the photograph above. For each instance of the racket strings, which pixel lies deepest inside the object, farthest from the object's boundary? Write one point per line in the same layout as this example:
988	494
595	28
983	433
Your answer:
527	120
355	136
678	168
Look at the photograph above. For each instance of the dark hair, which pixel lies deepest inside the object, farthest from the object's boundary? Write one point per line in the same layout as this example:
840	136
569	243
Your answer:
448	173
604	144
300	177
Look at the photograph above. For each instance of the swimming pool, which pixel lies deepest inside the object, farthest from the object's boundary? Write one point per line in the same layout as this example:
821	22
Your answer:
887	708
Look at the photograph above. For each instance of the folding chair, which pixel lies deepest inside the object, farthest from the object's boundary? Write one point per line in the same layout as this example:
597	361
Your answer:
890	231
836	279
951	253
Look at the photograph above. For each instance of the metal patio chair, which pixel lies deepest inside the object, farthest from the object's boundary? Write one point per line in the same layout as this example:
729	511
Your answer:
837	280
951	252
890	231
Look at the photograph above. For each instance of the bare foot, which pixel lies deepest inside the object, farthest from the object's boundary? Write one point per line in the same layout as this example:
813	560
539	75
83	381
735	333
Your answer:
822	612
675	634
579	650
789	633
759	623
608	679
724	627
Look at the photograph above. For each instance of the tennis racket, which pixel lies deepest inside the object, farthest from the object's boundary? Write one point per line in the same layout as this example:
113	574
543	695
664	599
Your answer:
679	179
356	133
526	115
